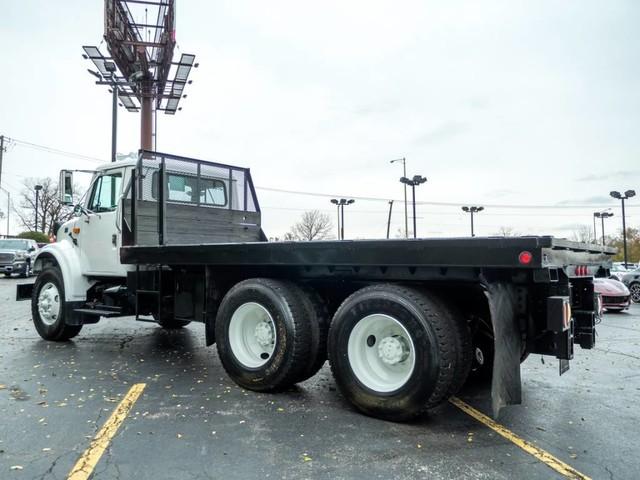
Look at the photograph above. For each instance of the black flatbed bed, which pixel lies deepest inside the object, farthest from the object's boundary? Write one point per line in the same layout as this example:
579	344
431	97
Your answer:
490	252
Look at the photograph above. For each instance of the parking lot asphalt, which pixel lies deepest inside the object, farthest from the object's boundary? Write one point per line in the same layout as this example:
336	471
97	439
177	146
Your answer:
191	421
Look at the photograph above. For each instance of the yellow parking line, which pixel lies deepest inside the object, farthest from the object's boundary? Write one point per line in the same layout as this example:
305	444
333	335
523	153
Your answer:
542	455
87	462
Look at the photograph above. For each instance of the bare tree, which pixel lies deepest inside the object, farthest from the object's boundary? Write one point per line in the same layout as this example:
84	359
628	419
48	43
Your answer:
50	210
313	225
507	232
400	233
583	234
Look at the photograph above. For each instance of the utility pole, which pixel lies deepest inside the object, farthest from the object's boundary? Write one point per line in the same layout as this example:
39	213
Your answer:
8	208
37	189
389	219
2	150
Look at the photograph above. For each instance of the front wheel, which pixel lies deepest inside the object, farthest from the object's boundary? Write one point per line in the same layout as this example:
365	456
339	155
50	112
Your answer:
49	308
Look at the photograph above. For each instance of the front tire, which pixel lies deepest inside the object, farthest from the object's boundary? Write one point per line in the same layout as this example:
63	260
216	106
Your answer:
49	309
393	351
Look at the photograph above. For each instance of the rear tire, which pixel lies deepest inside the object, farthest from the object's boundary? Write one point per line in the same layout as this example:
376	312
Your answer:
318	319
263	334
393	351
49	309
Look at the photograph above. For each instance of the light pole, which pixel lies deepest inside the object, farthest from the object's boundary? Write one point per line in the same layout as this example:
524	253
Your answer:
8	207
37	188
341	203
602	216
595	234
406	215
337	204
413	183
344	202
389	219
110	79
472	210
622	197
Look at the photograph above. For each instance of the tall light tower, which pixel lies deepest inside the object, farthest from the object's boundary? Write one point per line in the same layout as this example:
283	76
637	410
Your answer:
141	62
340	204
472	210
602	216
622	197
406	215
413	183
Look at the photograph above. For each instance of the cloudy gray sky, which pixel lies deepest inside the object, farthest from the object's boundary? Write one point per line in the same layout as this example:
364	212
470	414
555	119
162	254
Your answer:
512	105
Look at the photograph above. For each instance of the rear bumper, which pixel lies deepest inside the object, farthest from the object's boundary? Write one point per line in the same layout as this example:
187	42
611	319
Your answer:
616	302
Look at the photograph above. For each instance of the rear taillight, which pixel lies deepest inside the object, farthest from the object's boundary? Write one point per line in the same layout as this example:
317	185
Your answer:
525	258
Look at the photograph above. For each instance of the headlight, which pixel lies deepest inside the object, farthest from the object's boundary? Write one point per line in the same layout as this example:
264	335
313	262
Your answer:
21	255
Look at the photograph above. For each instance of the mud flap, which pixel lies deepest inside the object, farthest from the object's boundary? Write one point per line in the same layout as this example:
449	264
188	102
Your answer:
506	388
24	291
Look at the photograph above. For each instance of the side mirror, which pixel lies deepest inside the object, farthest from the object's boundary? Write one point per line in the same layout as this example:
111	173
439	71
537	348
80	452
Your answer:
32	249
65	187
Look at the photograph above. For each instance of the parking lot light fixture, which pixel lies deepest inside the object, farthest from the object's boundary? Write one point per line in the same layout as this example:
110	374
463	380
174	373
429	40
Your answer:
340	203
622	197
337	204
472	210
413	183
602	216
404	174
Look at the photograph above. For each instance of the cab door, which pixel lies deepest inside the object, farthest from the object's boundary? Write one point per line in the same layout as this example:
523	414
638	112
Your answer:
99	238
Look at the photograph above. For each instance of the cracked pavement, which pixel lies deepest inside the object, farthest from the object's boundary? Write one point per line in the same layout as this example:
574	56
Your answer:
192	422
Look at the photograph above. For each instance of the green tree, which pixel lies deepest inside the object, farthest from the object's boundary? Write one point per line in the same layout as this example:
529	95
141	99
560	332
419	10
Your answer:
633	245
37	236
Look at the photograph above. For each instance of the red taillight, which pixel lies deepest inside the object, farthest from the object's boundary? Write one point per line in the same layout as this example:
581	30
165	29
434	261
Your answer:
525	258
582	271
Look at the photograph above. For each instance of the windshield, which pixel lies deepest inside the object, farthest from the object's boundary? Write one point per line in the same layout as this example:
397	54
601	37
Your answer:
13	244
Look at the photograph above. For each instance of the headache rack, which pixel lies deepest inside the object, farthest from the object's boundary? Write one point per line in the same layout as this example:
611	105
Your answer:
173	200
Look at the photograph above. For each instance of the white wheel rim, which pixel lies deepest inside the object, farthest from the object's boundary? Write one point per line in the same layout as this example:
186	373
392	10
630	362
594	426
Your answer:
252	335
49	304
381	353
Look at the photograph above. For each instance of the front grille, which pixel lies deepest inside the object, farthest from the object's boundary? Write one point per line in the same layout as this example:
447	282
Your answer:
7	257
623	299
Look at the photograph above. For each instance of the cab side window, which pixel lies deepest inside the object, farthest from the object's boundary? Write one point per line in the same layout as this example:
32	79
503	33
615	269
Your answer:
105	193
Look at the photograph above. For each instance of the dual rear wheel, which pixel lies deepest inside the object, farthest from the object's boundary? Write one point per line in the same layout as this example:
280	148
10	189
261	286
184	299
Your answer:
394	351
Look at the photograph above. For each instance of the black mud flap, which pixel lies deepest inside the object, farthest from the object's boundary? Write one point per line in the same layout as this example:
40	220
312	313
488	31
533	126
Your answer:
24	291
506	388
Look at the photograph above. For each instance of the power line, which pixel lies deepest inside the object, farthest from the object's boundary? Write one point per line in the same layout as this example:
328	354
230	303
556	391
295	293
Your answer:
55	151
437	204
